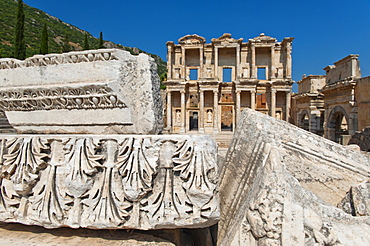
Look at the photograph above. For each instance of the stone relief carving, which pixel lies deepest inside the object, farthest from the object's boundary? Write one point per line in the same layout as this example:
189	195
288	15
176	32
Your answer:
56	59
84	97
139	182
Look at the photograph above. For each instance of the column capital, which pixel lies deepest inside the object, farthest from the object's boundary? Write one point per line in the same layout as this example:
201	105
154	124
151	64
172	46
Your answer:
273	90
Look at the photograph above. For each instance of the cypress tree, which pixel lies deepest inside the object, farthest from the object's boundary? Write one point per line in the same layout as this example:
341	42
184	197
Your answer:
65	46
20	45
86	43
44	41
101	42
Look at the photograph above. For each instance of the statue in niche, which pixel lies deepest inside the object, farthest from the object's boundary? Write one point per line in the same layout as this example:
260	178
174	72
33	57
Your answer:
177	73
280	72
245	72
278	115
209	115
178	116
209	72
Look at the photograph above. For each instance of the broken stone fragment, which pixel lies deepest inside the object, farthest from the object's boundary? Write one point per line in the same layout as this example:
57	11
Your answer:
104	91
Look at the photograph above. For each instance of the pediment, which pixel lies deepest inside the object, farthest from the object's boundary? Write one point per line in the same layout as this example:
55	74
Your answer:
192	39
226	38
262	38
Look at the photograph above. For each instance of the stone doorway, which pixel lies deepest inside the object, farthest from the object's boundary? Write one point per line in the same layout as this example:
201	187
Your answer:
338	124
193	121
227	118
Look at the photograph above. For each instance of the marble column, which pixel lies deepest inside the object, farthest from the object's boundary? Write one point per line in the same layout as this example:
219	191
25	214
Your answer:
273	103
169	63
169	111
183	64
215	111
183	112
253	100
287	106
237	105
200	72
253	62
216	63
237	64
288	61
201	111
272	69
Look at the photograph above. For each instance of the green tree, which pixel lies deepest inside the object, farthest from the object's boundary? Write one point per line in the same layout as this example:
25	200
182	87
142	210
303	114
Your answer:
101	41
86	43
20	45
66	47
44	49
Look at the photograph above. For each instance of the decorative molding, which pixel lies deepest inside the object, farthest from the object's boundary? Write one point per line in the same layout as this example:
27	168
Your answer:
136	182
56	59
90	96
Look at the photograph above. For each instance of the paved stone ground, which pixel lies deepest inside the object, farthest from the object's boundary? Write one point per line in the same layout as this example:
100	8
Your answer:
17	234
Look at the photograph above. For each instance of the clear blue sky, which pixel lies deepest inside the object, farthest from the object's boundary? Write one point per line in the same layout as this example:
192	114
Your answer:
325	31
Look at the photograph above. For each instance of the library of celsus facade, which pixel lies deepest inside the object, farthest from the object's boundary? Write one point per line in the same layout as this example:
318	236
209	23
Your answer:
209	84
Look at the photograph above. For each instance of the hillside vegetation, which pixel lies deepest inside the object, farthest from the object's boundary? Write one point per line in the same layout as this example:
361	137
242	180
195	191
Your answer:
57	30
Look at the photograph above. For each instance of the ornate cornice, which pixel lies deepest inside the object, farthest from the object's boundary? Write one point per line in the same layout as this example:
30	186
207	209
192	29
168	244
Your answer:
56	59
90	96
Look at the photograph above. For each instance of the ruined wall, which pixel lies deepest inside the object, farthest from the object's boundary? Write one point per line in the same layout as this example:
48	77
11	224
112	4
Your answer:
343	69
362	92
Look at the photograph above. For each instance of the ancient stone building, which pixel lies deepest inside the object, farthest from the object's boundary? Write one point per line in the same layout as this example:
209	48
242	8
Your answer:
340	102
308	104
209	84
362	92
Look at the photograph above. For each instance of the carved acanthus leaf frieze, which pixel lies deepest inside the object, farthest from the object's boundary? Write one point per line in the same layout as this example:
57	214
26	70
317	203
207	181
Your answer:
138	182
90	96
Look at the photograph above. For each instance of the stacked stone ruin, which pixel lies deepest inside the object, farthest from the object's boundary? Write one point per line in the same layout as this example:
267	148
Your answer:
89	153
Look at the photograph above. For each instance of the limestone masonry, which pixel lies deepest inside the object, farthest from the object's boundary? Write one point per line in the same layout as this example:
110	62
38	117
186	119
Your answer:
111	181
101	91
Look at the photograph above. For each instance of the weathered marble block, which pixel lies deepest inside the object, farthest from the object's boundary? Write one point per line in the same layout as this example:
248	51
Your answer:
281	185
104	91
109	181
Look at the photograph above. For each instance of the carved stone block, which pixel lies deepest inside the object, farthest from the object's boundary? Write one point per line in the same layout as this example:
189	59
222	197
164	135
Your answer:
109	181
97	91
280	185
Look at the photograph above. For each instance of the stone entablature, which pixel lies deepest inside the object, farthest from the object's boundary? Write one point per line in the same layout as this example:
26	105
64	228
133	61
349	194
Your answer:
109	181
56	59
345	69
95	91
199	69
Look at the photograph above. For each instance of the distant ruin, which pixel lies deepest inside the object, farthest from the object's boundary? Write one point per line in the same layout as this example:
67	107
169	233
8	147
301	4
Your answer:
209	84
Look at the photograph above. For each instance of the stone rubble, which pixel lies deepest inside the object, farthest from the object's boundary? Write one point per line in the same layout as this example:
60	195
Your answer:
280	185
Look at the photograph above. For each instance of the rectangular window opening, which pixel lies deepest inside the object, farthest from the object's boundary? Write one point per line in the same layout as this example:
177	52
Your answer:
226	76
261	73
193	74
